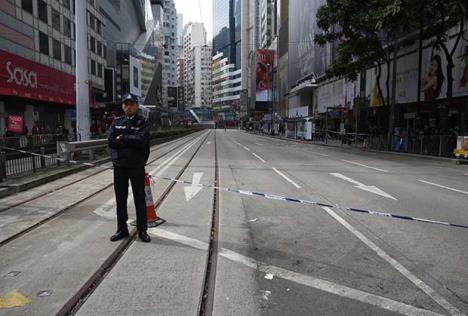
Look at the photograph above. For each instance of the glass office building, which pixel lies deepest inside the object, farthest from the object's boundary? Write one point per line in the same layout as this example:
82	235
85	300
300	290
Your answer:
227	30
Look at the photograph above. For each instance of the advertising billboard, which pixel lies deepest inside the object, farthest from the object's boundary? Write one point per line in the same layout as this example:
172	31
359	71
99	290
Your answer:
135	76
305	57
263	69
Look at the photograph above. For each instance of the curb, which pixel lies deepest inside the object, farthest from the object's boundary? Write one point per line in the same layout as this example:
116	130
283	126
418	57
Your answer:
444	159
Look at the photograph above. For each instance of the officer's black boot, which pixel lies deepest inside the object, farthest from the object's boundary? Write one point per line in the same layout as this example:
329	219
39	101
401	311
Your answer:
120	234
144	237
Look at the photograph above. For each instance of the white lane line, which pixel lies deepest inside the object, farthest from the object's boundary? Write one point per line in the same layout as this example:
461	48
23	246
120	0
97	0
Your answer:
323	155
306	280
443	186
398	266
287	179
258	157
246	148
106	210
365	166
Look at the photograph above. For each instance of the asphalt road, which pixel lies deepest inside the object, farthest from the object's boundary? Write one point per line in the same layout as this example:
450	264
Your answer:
274	257
418	264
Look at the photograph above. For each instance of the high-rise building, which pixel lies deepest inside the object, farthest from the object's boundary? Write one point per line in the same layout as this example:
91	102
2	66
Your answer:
226	58
226	86
170	30
227	30
266	22
197	68
180	29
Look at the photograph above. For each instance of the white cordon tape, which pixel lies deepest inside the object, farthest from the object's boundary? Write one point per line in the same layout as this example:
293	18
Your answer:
294	200
261	194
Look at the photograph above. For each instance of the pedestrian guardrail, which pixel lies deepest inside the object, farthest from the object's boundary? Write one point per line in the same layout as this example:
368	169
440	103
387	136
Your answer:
67	150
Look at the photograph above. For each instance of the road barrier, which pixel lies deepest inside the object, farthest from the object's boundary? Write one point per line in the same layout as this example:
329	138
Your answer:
273	196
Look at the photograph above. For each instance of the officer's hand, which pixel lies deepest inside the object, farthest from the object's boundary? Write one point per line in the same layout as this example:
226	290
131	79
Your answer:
119	138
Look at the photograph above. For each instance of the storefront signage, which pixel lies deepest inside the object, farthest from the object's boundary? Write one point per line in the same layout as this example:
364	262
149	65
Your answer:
15	123
27	79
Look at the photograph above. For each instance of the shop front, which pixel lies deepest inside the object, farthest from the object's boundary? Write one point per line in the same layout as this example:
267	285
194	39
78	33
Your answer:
40	95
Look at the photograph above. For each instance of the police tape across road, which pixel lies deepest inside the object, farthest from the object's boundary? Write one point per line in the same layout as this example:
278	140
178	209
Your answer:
261	194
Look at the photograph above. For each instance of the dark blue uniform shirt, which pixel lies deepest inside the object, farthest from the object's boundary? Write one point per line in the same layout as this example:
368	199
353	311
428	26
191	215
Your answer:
132	148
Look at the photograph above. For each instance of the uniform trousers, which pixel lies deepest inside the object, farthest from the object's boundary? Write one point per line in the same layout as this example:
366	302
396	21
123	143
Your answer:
137	179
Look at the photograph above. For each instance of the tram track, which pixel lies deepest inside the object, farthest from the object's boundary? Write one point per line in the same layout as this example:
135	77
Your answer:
207	299
64	210
102	167
77	300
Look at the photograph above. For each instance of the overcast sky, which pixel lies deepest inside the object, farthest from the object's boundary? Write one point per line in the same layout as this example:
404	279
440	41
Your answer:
191	12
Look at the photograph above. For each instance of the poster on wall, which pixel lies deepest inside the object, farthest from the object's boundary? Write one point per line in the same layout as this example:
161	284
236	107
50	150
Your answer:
265	63
15	123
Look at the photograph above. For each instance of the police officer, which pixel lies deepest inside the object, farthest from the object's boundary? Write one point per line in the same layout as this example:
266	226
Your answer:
128	139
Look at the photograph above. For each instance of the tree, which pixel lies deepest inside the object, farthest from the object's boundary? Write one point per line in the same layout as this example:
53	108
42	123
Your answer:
365	32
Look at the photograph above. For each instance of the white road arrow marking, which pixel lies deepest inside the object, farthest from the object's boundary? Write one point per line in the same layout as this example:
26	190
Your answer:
368	188
193	190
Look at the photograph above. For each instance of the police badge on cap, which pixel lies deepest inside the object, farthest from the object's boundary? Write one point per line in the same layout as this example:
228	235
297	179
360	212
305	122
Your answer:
130	97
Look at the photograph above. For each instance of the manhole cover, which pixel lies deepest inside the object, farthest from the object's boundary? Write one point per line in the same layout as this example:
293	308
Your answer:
45	293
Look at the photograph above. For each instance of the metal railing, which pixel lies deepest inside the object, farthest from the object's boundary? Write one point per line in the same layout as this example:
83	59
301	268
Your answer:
68	150
433	145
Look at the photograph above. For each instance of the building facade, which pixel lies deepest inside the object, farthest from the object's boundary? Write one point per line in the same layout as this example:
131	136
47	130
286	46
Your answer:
195	69
226	87
170	29
37	47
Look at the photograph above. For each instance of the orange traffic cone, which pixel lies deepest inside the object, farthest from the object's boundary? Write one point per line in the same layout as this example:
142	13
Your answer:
152	218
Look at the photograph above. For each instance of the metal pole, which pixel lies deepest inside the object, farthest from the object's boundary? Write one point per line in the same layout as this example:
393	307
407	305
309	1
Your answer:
82	80
393	102
2	165
326	126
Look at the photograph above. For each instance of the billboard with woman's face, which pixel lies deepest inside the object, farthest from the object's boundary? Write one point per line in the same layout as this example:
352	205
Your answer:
263	69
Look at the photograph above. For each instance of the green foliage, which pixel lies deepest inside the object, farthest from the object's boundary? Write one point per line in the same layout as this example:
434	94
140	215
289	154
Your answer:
364	31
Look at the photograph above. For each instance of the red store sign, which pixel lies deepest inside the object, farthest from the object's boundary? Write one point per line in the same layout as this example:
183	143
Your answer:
15	123
24	78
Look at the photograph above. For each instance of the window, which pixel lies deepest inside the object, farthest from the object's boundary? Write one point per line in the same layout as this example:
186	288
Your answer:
43	43
66	27
104	51
66	4
93	67
56	49
92	21
99	48
27	5
99	27
99	68
68	55
56	20
92	44
42	11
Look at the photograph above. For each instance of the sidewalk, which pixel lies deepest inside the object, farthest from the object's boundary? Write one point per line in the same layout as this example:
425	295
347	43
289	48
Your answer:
26	181
337	144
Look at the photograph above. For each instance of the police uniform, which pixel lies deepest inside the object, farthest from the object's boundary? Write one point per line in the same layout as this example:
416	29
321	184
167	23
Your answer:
128	139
